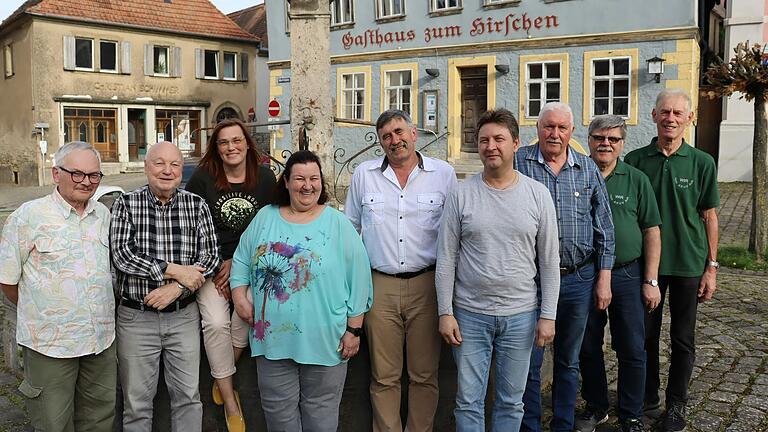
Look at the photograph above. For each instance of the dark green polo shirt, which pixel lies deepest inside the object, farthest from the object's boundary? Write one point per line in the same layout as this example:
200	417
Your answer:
634	209
685	183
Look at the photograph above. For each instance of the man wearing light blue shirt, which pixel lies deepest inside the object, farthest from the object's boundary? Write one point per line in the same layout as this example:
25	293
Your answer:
396	203
586	256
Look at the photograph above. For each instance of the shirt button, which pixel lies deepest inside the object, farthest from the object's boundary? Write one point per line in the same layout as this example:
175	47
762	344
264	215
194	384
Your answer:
401	240
402	263
401	217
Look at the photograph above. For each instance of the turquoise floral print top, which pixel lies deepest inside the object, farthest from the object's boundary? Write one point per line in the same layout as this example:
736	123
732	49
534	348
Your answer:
306	279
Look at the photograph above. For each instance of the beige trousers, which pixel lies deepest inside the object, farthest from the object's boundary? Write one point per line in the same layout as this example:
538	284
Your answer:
404	312
222	330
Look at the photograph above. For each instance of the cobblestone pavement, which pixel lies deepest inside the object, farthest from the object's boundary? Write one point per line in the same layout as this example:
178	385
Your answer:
735	213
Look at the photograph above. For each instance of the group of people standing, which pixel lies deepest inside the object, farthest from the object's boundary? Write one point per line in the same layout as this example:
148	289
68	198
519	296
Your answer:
545	245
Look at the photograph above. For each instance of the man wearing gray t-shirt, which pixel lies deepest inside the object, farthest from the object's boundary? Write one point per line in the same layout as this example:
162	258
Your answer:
498	235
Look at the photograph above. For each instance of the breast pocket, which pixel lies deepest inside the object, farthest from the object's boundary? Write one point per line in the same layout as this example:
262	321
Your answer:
582	200
430	209
373	209
52	250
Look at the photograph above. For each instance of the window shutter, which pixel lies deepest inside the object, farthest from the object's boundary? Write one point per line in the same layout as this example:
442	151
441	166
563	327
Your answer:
149	61
199	71
243	66
125	58
69	53
176	72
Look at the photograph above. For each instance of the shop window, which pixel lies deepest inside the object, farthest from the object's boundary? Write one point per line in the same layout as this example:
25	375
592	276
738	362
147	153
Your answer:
211	64
230	66
389	8
95	126
398	89
353	93
342	12
161	59
8	60
84	54
107	56
610	86
542	82
179	127
444	5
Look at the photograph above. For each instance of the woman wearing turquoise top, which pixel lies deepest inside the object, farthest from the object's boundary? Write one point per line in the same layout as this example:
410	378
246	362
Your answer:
310	280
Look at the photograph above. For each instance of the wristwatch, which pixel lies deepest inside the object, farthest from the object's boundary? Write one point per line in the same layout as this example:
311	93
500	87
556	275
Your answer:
652	282
714	264
355	331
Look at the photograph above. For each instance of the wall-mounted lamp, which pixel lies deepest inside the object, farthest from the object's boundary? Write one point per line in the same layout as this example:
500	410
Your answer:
502	68
656	67
434	73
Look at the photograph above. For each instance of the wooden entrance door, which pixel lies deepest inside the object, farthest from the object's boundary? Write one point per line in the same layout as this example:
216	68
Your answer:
474	89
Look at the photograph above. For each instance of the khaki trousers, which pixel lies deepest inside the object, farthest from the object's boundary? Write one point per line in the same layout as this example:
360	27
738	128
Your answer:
70	394
404	312
222	330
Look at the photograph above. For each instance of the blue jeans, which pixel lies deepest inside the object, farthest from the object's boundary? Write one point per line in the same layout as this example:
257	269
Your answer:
511	338
627	319
572	309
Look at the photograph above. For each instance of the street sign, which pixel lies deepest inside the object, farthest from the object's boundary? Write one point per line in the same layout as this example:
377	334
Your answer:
274	108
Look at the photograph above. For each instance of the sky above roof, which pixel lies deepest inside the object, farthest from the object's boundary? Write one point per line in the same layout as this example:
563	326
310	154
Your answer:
7	7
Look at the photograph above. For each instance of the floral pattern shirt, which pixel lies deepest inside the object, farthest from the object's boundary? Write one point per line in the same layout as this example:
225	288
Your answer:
60	261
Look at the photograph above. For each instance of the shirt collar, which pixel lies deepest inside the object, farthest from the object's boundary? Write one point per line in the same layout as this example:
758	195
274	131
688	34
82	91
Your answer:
653	149
569	153
154	200
424	164
620	168
64	208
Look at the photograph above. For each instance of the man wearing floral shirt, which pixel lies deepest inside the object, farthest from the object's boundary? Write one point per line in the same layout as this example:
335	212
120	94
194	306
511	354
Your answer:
54	265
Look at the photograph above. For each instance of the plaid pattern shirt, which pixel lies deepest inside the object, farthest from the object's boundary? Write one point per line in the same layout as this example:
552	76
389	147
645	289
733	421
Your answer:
145	235
581	200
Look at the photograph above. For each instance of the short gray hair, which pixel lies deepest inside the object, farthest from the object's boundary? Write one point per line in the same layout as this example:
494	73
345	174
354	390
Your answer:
608	121
557	106
392	114
674	92
66	149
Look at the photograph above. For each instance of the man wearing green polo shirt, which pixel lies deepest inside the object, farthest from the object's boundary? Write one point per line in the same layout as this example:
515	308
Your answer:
684	180
634	283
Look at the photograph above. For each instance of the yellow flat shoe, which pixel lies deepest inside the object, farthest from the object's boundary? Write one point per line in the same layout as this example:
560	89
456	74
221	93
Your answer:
217	399
235	423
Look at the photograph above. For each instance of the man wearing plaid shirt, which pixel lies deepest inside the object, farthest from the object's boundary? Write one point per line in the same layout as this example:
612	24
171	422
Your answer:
163	246
586	257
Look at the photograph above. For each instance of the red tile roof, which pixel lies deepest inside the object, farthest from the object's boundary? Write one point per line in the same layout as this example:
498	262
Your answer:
198	17
254	21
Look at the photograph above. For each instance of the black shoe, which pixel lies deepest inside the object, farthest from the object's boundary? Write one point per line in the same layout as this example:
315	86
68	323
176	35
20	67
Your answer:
674	418
589	420
632	425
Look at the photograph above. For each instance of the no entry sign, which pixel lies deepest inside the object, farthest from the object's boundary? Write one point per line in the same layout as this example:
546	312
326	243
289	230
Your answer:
274	108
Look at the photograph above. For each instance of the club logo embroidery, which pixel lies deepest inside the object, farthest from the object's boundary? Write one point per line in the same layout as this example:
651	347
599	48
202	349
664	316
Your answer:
683	183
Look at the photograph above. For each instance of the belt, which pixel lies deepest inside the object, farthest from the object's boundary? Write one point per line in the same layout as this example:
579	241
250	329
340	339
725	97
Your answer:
408	275
624	264
564	271
173	307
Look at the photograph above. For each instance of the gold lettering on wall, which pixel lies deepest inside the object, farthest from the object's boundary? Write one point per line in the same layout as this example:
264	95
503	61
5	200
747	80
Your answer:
135	90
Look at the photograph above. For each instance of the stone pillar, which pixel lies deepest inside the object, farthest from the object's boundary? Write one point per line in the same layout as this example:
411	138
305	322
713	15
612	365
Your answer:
311	105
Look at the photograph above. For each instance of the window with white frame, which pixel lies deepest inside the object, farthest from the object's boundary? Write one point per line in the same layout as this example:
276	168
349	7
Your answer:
611	86
8	60
353	95
161	58
108	56
230	66
398	89
84	53
389	8
211	64
542	82
342	12
443	5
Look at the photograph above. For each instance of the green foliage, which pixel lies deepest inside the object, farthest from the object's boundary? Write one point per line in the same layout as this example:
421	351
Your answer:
746	72
739	257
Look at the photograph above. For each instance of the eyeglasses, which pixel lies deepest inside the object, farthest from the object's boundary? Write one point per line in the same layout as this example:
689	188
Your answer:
79	176
602	138
236	141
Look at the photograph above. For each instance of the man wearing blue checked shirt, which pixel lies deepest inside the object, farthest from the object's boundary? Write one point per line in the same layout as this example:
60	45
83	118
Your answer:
586	257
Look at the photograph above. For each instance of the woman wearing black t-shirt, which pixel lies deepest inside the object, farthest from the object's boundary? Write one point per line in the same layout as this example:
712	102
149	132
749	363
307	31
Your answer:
235	185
